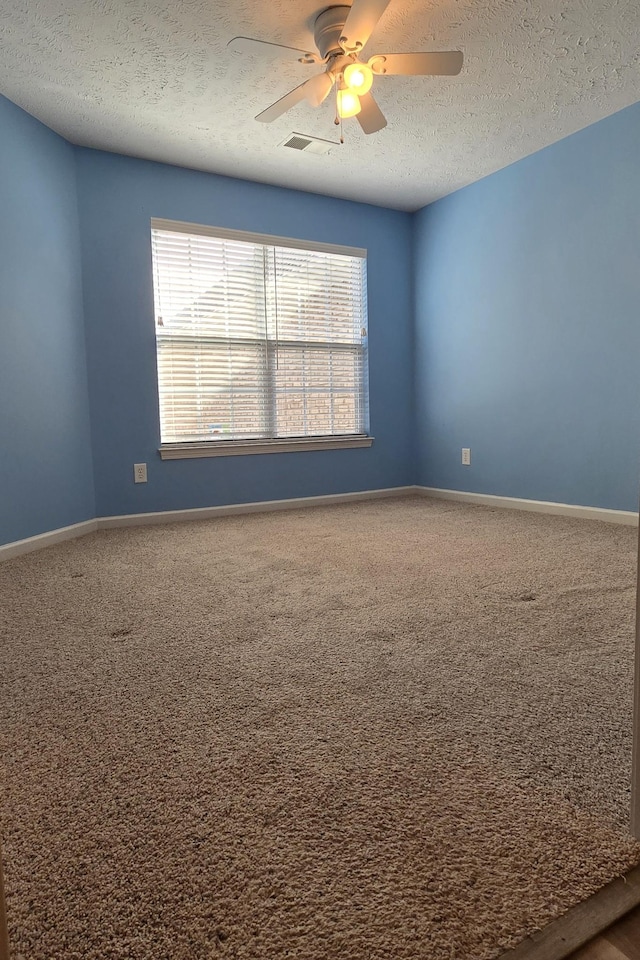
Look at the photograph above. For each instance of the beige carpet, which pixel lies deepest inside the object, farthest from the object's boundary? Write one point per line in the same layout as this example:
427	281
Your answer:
394	729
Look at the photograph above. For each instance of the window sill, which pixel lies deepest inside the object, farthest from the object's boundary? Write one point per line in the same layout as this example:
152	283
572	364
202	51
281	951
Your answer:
235	448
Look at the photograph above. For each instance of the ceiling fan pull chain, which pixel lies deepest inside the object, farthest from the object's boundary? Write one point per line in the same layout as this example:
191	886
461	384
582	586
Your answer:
338	118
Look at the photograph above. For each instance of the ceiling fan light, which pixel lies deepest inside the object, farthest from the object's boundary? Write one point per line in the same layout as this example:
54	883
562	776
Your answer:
358	77
348	104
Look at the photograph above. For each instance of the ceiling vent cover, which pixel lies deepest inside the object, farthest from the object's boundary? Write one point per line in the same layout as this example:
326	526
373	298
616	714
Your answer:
301	141
297	143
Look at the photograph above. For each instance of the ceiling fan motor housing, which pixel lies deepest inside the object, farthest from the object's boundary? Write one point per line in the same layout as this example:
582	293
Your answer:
328	30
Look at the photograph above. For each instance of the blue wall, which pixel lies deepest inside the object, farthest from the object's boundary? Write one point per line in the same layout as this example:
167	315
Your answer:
118	196
46	478
527	340
504	318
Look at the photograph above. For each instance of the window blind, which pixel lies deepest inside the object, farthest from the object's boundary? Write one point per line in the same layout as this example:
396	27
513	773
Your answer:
257	340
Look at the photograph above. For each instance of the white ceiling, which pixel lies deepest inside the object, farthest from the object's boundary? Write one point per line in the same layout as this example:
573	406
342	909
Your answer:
154	79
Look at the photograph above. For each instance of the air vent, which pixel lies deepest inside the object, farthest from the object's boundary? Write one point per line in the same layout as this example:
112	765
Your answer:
297	143
300	141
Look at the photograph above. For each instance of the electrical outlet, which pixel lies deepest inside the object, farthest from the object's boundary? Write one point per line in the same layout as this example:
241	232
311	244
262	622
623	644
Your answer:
466	456
139	473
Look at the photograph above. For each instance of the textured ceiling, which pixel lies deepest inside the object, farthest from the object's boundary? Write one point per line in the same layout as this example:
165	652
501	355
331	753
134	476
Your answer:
154	79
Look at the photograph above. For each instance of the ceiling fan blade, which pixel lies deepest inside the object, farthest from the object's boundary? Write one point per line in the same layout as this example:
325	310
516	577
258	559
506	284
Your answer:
317	88
271	51
361	22
445	64
314	90
371	118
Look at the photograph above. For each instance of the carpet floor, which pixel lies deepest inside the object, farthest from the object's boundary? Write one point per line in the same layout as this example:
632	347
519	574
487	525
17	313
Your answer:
393	729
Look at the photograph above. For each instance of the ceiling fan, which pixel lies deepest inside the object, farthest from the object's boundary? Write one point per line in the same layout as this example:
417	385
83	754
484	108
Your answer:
340	33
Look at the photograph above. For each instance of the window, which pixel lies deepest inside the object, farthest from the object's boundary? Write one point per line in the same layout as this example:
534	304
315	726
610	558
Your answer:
261	341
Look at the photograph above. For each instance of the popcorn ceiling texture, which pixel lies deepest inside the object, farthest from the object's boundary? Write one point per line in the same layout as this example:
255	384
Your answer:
154	79
391	731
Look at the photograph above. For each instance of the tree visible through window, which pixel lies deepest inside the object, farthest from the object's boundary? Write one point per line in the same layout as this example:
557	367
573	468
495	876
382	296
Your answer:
257	337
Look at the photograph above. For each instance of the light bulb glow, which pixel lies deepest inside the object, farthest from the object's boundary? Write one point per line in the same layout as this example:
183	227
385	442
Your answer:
348	104
358	77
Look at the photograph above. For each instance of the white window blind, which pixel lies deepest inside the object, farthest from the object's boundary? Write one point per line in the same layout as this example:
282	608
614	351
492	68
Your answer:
257	340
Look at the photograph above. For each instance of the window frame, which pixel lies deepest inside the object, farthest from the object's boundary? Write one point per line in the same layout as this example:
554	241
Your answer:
219	448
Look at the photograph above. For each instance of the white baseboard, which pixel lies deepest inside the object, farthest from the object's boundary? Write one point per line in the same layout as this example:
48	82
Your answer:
536	506
259	506
9	550
18	547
